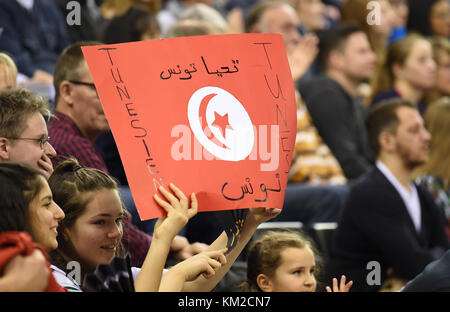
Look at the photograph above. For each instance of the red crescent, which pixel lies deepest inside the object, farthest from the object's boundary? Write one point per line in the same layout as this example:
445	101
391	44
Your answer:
202	114
202	110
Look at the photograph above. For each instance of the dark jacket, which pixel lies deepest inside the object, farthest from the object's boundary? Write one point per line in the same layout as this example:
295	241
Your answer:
375	226
435	277
34	39
340	121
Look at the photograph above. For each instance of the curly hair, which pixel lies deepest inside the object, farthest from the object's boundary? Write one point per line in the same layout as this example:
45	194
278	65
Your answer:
16	106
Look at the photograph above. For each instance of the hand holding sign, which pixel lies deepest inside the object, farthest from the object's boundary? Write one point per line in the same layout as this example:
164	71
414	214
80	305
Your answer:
178	209
232	222
214	114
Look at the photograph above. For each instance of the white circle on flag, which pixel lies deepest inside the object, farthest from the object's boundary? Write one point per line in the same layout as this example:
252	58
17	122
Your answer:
226	118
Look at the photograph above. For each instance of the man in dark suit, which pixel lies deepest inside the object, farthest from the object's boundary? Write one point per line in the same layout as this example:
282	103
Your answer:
390	227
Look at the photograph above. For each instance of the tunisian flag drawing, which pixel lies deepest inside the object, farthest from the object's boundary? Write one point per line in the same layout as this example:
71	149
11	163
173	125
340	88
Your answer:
214	115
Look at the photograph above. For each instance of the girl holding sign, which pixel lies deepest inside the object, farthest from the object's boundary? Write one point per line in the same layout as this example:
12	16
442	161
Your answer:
91	203
92	230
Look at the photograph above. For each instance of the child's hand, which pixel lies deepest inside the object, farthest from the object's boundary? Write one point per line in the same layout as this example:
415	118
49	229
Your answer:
343	287
256	216
205	263
178	212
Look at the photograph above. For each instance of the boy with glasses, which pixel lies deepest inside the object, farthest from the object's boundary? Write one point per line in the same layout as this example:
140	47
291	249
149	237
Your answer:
23	130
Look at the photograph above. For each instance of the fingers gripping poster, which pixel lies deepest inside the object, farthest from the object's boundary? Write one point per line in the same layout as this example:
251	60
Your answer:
214	115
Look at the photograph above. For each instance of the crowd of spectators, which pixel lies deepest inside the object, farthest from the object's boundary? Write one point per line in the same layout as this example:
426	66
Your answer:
372	88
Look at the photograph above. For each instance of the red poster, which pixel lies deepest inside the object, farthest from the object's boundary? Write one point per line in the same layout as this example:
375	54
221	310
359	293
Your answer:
214	115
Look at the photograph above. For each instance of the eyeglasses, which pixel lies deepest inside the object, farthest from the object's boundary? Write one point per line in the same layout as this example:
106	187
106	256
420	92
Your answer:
42	141
82	83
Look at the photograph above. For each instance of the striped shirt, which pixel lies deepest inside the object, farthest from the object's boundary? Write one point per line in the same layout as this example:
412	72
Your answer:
67	140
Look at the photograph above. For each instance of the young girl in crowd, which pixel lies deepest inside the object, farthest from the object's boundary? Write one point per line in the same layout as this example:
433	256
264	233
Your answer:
28	228
284	262
91	232
408	72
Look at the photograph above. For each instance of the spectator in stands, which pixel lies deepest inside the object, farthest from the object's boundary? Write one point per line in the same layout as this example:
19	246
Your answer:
435	173
28	222
333	101
440	19
207	14
408	72
378	27
429	18
284	262
280	17
135	25
23	131
96	211
79	116
172	11
79	120
312	14
441	53
34	33
401	11
92	230
387	218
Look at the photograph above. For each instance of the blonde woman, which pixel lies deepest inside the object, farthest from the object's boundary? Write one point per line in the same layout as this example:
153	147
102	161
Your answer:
8	72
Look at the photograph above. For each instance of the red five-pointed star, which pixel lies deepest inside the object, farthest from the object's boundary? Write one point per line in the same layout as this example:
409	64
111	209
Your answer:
221	122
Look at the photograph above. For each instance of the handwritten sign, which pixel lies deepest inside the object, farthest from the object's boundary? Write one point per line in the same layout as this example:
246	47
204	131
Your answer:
215	115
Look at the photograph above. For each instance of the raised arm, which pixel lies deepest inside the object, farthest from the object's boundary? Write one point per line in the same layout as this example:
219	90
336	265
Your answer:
255	217
166	228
